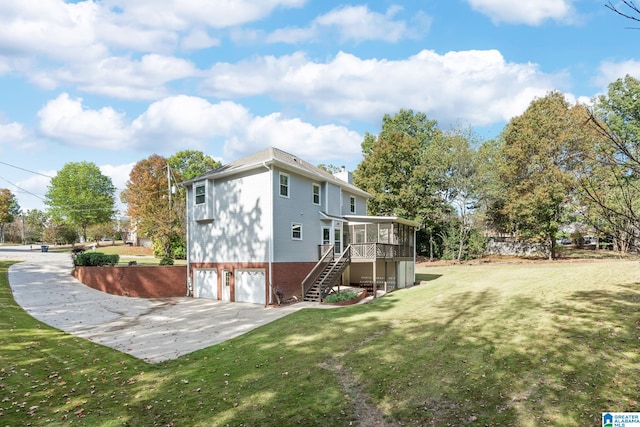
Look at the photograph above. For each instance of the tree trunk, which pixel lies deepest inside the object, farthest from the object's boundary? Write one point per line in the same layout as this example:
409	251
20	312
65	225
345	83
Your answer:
430	245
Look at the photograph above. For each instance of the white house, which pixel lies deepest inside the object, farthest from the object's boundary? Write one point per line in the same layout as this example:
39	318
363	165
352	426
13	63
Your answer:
271	223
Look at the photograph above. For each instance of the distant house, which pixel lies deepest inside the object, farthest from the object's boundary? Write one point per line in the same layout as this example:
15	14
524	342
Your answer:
272	223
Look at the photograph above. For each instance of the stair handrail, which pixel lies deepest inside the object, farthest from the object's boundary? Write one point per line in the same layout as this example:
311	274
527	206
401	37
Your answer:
317	270
344	256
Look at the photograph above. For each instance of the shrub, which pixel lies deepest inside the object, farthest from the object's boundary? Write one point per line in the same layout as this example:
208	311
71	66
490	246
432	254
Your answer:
341	296
166	261
95	259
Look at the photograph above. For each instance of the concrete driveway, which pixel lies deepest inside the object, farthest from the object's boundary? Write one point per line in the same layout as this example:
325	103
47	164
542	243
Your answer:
150	329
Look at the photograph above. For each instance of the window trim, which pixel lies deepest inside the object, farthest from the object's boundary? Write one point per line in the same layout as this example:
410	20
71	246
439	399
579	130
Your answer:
352	204
197	196
296	227
287	186
313	194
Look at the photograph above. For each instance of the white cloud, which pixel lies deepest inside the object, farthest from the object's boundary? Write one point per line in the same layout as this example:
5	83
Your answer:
53	28
120	77
119	174
353	23
187	121
68	120
609	72
11	132
184	13
530	12
477	87
180	122
30	192
198	39
316	143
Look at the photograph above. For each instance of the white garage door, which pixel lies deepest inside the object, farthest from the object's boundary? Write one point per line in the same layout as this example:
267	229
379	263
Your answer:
205	283
250	285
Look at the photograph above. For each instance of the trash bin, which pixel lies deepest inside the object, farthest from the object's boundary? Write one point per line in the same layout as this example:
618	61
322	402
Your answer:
44	248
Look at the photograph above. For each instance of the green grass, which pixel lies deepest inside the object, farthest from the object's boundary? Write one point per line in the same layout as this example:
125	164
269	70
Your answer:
510	344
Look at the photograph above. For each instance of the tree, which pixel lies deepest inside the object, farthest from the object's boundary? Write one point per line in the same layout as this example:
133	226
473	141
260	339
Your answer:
634	13
60	232
189	164
609	172
147	198
9	209
393	168
536	167
35	222
81	196
452	161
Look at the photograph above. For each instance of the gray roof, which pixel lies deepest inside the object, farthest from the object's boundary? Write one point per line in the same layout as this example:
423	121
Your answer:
282	159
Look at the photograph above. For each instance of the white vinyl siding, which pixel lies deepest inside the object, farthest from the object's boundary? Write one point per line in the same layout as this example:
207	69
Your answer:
241	227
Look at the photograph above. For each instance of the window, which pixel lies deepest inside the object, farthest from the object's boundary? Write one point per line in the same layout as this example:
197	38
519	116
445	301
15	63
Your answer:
200	194
352	204
296	231
316	194
284	185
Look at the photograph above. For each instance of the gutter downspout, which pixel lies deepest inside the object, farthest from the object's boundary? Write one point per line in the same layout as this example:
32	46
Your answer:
269	300
189	284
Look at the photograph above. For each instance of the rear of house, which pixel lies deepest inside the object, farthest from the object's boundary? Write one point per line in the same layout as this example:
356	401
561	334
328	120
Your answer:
258	226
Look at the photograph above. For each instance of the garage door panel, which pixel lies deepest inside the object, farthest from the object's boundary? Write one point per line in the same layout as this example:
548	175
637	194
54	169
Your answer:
205	283
250	286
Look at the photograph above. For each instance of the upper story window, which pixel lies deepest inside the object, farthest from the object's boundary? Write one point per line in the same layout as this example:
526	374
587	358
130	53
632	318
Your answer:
352	204
316	194
284	185
200	194
296	231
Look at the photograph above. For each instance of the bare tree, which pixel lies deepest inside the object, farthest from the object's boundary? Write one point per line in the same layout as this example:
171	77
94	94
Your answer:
634	15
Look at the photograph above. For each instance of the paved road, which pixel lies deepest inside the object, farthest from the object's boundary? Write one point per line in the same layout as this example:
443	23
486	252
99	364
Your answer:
150	329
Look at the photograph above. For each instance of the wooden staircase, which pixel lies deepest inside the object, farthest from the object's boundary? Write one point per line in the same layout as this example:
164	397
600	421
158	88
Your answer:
325	275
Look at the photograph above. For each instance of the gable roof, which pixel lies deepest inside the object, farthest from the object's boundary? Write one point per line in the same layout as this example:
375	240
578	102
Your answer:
281	159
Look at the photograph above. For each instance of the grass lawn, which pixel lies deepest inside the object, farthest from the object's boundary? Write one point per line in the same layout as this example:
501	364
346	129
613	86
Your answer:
511	344
141	255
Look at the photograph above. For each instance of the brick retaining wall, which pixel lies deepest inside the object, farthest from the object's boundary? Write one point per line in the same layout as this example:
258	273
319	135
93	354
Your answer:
136	281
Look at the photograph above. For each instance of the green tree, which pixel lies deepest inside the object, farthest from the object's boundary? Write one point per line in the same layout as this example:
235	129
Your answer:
536	168
35	222
60	232
453	162
393	168
9	209
188	164
609	167
81	196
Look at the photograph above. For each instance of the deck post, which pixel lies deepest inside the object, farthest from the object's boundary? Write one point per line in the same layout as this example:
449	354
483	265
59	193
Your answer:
375	288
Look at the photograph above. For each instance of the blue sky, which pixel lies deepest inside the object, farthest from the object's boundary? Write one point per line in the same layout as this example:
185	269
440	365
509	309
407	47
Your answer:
114	81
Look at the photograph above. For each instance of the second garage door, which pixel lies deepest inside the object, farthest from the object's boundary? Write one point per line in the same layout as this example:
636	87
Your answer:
250	285
205	283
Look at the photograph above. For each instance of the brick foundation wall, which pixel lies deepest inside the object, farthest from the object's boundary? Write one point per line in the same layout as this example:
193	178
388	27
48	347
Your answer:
288	276
136	281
